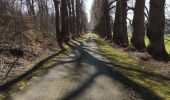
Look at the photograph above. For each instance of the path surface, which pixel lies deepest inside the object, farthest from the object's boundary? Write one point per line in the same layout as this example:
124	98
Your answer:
82	75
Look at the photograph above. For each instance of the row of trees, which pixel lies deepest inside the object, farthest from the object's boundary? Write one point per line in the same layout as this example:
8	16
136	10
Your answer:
154	29
73	20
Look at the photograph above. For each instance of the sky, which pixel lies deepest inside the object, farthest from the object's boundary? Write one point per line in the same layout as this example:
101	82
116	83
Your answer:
88	4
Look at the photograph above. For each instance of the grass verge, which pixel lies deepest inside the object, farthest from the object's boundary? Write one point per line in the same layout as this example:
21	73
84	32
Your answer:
166	37
140	73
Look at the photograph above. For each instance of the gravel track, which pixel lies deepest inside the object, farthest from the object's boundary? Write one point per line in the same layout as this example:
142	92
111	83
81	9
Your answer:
82	75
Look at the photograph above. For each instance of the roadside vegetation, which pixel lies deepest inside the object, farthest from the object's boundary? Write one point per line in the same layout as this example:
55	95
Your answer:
167	41
142	72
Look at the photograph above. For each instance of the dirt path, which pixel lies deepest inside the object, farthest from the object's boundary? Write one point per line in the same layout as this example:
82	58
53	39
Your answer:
82	75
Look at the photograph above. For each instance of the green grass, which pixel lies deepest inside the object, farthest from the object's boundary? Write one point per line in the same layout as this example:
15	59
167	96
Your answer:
167	41
140	73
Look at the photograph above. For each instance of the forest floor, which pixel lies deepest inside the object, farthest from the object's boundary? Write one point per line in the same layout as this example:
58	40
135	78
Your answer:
14	63
94	70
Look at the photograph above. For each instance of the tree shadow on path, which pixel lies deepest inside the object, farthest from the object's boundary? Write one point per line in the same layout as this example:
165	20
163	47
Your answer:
8	85
103	69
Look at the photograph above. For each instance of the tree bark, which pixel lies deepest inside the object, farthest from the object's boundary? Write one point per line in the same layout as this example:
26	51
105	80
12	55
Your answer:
107	20
120	36
138	34
58	33
74	19
64	21
155	30
78	17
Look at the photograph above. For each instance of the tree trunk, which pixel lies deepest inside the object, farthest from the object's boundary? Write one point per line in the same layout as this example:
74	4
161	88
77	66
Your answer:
74	18
64	23
138	34
155	30
70	17
78	17
120	36
30	6
107	18
58	33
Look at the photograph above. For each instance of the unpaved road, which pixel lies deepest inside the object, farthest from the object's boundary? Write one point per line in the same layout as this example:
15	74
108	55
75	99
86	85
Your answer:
82	75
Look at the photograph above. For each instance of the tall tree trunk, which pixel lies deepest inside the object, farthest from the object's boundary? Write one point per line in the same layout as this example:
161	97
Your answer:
30	6
108	26
74	18
107	19
70	23
120	36
138	34
64	23
78	17
58	33
155	30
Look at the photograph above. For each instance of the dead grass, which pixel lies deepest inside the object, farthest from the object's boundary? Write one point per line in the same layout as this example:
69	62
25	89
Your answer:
34	64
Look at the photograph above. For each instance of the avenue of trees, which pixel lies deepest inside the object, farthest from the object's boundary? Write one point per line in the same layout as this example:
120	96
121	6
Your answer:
109	19
73	20
23	22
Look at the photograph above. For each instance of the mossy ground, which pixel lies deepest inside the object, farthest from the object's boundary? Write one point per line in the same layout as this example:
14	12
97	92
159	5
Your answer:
141	73
167	41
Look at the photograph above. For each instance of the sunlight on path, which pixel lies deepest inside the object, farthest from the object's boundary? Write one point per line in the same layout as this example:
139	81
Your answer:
81	76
